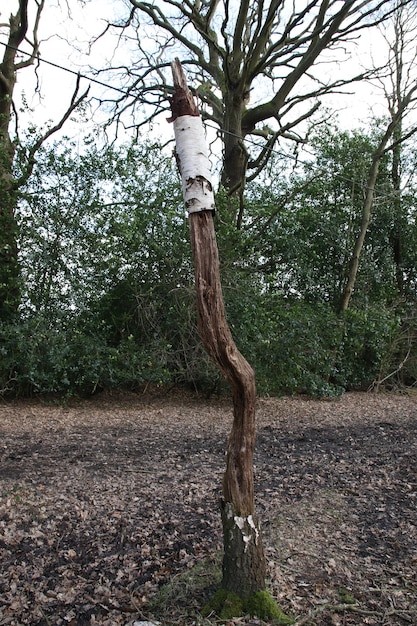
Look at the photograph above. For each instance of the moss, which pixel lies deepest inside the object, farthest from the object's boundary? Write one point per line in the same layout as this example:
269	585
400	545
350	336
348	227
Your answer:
264	606
226	605
345	596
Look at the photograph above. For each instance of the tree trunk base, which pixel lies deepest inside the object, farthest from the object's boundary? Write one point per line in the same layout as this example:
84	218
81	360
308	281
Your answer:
227	605
243	559
242	590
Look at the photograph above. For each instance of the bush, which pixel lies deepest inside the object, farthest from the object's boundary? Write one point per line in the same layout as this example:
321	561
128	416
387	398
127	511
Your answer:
294	347
298	347
36	357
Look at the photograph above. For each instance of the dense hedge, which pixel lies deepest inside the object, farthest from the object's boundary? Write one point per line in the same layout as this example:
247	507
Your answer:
294	347
107	278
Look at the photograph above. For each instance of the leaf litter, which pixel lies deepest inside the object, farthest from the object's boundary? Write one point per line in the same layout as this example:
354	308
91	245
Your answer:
107	502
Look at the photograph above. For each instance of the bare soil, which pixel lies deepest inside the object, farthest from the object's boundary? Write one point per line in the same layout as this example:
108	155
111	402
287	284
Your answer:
106	502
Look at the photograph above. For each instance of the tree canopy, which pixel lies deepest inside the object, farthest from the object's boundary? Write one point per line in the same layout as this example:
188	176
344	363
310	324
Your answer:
259	69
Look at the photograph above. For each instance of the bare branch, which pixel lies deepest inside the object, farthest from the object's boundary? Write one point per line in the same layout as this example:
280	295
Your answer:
267	47
35	43
76	100
287	198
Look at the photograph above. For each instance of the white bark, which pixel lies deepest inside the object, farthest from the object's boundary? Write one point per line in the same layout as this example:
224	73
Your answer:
194	164
246	526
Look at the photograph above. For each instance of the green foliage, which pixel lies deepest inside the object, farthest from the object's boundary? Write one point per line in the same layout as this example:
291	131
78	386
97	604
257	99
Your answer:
399	359
345	596
367	335
107	278
299	347
264	606
225	604
107	272
36	357
309	223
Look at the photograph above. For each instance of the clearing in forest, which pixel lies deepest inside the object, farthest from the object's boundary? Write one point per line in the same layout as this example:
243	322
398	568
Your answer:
108	509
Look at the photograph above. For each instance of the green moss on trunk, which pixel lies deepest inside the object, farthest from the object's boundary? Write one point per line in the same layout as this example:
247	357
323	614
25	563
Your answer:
226	605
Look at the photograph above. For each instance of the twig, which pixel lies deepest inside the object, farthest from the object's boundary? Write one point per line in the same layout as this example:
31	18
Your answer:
45	617
378	383
352	608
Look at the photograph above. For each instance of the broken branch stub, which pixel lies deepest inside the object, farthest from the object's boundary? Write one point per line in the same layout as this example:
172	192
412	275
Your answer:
191	147
182	102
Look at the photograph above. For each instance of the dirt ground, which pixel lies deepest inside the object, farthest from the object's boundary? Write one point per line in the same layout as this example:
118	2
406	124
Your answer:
109	515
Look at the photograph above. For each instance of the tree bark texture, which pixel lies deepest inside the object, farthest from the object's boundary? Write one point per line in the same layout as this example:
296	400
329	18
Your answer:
235	157
9	263
243	562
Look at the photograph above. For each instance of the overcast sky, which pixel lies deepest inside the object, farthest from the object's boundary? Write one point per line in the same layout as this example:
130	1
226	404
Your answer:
65	42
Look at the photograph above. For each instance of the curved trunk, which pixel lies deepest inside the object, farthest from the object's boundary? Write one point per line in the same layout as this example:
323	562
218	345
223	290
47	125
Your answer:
244	561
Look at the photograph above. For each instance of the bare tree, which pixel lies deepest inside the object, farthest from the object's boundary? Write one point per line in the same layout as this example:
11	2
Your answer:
400	90
20	32
254	65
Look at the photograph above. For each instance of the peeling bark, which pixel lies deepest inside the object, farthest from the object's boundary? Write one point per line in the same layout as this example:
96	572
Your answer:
193	164
244	561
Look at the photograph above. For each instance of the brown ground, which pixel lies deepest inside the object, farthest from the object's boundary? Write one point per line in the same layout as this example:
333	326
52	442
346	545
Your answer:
104	501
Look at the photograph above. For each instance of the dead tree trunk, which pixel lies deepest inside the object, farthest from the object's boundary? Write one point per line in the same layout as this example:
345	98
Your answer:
243	561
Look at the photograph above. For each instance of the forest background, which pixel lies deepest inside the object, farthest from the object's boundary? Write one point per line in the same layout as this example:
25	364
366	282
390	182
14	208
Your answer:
106	295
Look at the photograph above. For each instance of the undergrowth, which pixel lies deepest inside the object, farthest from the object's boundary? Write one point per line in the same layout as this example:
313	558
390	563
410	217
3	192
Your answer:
180	602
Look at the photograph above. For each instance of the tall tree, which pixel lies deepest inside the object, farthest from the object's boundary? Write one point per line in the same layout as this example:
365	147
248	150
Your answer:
399	36
306	246
254	65
20	32
400	90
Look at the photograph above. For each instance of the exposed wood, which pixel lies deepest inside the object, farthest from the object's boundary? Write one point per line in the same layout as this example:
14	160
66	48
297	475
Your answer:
182	102
244	563
218	341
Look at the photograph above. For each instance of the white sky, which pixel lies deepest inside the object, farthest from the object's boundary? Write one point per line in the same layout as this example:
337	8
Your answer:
64	40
